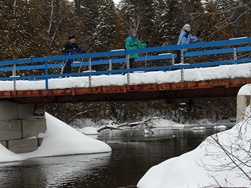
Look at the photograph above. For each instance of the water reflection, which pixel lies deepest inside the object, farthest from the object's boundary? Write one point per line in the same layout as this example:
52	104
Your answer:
133	153
62	171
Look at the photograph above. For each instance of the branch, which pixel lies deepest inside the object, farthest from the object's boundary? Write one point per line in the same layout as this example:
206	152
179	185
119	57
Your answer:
133	124
78	114
231	157
14	7
111	127
51	17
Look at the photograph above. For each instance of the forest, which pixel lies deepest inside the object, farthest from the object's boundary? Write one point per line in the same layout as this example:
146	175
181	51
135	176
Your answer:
34	28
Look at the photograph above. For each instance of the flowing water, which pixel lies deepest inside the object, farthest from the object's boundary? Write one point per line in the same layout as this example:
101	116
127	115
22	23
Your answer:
133	153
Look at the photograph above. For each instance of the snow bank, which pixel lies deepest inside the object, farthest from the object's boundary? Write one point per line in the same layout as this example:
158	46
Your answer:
7	156
199	167
245	90
164	123
88	131
220	127
59	139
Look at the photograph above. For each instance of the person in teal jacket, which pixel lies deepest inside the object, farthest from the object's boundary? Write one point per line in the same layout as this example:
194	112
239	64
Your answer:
132	42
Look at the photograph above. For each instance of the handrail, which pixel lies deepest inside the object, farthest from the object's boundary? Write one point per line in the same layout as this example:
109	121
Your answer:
121	60
124	52
114	57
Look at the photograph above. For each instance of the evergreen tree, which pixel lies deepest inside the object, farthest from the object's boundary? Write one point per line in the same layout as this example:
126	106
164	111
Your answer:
105	30
144	17
99	20
170	21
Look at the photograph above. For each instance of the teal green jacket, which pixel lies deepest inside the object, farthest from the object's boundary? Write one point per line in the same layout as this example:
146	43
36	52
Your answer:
133	43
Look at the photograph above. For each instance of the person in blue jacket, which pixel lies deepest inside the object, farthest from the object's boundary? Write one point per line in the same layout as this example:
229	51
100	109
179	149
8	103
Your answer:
70	48
185	38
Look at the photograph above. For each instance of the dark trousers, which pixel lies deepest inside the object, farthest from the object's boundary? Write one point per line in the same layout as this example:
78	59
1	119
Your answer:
67	67
131	61
178	53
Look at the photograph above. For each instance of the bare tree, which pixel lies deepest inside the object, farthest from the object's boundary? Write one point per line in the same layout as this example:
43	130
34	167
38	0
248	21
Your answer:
226	15
232	154
14	7
51	16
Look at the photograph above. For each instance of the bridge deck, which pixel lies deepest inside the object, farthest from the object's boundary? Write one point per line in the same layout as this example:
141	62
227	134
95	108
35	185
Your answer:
192	89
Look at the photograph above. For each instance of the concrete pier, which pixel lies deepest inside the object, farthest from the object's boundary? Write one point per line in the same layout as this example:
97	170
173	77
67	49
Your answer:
20	125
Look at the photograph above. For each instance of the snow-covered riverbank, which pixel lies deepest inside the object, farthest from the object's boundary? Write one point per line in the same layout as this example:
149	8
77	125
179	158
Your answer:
220	161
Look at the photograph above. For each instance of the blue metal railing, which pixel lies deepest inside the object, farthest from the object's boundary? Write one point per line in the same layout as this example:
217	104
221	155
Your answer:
233	46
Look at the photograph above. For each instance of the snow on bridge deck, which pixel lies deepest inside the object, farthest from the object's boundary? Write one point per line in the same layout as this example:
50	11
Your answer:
223	80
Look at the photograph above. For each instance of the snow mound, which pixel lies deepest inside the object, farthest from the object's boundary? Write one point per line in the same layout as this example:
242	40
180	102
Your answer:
164	123
59	139
245	90
220	127
88	131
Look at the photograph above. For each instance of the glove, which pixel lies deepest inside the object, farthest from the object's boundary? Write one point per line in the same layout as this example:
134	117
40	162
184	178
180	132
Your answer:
80	51
70	61
198	34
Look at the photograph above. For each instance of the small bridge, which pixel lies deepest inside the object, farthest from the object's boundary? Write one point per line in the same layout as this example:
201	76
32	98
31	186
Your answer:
27	84
106	76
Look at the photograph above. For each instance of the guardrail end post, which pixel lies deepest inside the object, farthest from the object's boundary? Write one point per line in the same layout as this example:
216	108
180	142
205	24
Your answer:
128	67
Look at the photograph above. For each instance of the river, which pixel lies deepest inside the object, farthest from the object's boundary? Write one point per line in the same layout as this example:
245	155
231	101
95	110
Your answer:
133	153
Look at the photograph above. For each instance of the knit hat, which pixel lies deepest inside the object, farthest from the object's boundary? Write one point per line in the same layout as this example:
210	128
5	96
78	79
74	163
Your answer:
133	30
71	37
186	26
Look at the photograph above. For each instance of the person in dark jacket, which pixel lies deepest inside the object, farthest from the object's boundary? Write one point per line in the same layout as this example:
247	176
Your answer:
186	37
70	48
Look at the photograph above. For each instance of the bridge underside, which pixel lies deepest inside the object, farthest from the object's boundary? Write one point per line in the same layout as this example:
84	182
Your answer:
198	89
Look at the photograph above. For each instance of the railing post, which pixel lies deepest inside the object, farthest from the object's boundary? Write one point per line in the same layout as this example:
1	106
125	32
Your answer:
182	56
14	74
235	54
182	75
14	70
110	64
128	67
90	69
173	59
46	75
182	62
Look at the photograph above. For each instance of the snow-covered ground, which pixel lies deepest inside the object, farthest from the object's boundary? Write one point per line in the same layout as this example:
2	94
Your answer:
222	160
198	74
59	139
88	127
208	165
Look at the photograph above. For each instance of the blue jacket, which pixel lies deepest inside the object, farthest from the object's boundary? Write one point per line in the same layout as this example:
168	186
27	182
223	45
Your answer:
186	40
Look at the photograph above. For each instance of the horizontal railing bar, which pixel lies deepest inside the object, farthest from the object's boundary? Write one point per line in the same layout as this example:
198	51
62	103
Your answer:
142	58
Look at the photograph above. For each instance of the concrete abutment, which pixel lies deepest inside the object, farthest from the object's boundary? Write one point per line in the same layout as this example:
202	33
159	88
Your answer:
20	125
